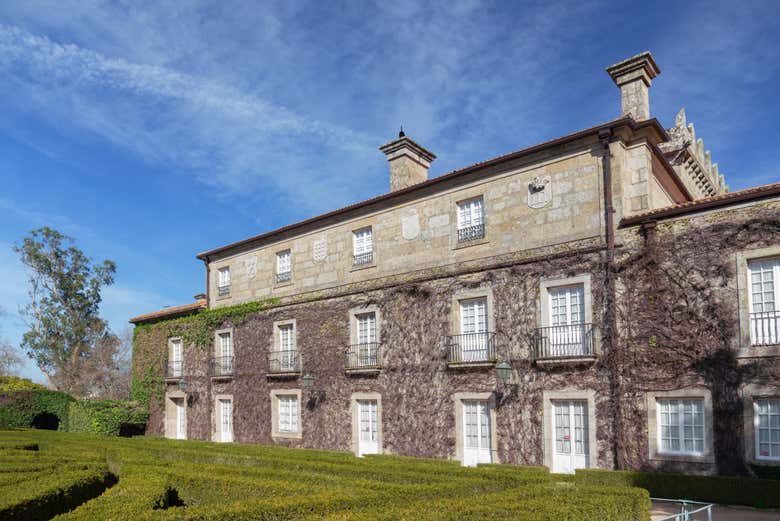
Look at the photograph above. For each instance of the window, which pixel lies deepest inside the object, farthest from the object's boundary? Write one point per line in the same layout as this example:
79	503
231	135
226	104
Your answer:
474	342
471	220
366	328
285	359
288	413
223	357
764	296
767	427
363	246
284	266
681	426
225	420
223	281
176	360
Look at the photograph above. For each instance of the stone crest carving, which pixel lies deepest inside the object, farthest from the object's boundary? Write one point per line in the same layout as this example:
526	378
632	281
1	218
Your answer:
410	226
250	265
539	192
319	250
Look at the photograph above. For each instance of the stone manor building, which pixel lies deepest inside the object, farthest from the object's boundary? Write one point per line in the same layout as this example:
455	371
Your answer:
597	300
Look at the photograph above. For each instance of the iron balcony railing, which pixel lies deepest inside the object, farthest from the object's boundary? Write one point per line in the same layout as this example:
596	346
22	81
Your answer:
285	276
360	259
471	233
222	366
283	362
223	290
175	369
567	341
471	347
765	328
367	355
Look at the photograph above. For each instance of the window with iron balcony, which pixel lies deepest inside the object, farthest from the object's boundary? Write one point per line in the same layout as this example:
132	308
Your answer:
363	247
284	358
283	266
223	281
567	336
365	354
471	220
222	365
475	343
764	289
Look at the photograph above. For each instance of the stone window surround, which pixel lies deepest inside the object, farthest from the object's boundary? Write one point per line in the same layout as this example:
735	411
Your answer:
548	435
469	195
651	405
222	331
353	405
217	269
275	341
485	292
275	394
545	285
750	393
353	312
216	430
170	412
458	399
744	347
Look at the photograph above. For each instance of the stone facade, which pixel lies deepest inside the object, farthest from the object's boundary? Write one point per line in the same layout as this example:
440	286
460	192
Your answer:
663	317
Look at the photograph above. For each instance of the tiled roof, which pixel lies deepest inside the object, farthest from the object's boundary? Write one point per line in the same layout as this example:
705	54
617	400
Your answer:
716	201
625	120
175	311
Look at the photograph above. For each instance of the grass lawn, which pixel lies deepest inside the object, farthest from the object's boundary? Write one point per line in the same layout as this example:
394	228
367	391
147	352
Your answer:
66	476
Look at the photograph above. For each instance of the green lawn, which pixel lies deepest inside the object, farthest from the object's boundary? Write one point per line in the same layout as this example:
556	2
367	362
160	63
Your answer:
44	473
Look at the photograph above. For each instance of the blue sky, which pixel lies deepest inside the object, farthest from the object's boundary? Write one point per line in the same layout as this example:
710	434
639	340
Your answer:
150	131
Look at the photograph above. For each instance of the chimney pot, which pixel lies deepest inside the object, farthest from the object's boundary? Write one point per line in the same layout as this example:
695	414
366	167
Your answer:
634	77
409	162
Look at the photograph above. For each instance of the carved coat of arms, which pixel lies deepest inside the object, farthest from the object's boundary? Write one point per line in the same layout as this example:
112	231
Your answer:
539	192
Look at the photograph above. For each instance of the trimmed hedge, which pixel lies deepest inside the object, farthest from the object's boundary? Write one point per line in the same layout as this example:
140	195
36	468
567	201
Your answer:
24	409
760	493
107	417
14	383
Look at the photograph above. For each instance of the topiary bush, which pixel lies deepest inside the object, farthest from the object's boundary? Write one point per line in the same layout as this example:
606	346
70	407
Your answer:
107	417
35	408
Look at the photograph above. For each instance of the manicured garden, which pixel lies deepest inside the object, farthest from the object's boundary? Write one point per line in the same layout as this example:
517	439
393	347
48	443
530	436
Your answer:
74	476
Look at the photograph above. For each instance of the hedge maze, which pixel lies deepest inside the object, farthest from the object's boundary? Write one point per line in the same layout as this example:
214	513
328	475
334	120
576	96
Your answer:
69	477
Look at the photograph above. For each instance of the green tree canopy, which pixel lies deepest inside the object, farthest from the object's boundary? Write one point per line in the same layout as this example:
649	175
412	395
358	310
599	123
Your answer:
65	326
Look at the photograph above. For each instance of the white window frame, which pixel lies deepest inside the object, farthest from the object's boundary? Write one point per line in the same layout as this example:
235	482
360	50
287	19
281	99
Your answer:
371	329
757	428
284	260
175	343
681	426
478	327
223	281
288	413
767	330
280	429
363	241
471	212
654	428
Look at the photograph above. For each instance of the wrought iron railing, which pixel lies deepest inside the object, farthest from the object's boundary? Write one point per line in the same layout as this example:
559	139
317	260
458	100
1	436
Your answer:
765	328
223	290
568	341
285	276
471	347
222	366
367	355
175	369
283	362
360	259
471	233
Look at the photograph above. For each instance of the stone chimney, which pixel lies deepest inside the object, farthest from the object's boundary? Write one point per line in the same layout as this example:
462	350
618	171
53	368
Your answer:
634	77
409	162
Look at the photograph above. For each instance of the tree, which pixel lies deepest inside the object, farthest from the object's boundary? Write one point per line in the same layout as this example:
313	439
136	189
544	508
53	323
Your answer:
65	329
108	369
9	358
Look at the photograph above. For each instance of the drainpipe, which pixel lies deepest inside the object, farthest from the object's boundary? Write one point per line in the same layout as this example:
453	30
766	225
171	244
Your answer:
206	264
610	325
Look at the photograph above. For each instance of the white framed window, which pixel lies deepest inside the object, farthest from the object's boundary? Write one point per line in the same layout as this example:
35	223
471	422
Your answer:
225	420
766	418
365	324
764	287
225	344
284	266
223	281
681	426
471	220
176	361
286	357
363	246
288	413
287	337
473	316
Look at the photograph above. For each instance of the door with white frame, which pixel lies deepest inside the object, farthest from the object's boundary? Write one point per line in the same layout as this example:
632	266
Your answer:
570	436
368	427
473	342
181	418
476	433
567	314
225	420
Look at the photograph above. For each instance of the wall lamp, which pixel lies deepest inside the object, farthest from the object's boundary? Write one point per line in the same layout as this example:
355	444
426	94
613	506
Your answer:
508	391
315	395
192	396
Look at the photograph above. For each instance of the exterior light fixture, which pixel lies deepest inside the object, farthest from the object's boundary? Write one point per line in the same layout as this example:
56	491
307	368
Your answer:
315	395
504	372
308	381
183	385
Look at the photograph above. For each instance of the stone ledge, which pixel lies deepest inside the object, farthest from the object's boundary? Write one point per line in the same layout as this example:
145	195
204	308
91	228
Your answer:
459	245
471	365
363	371
759	352
578	360
288	374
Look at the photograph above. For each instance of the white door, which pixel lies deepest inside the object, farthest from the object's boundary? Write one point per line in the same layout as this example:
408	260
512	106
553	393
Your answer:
570	428
226	420
476	433
473	326
567	313
368	442
181	419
